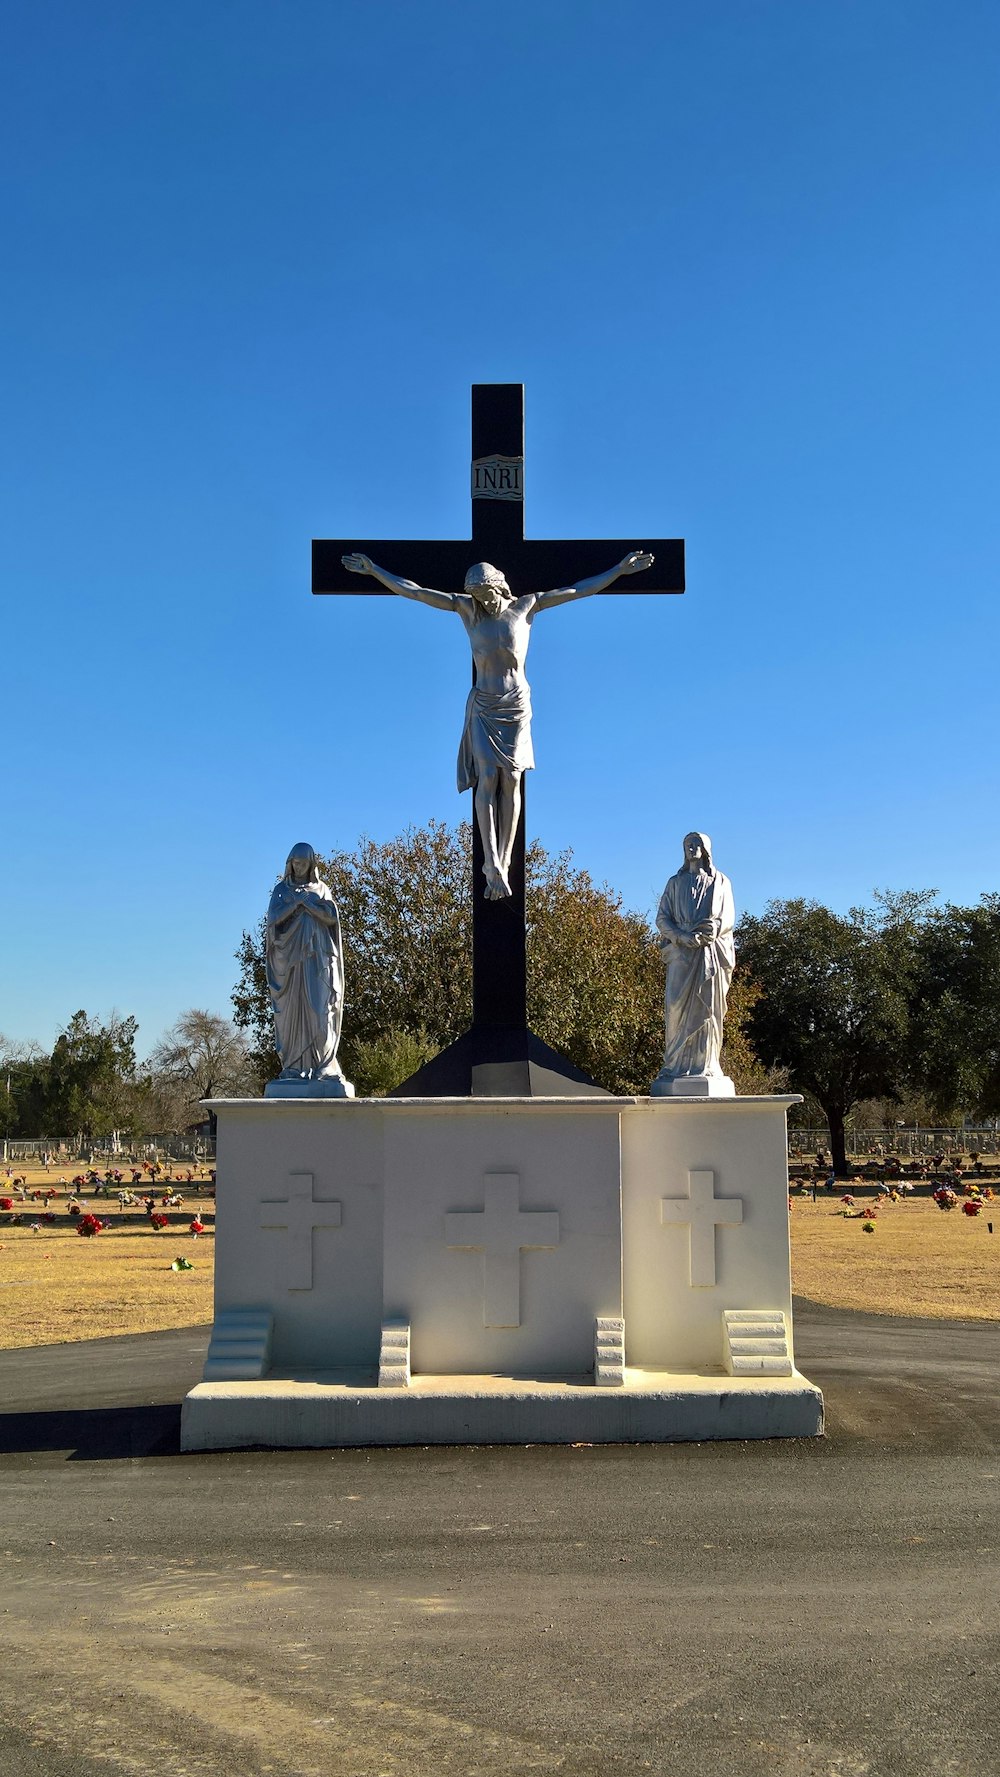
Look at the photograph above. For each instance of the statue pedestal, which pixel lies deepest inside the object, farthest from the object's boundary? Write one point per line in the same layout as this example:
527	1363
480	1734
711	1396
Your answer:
692	1086
334	1086
500	1270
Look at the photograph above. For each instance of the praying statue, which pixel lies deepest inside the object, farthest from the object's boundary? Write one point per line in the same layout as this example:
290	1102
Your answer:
695	921
304	960
496	741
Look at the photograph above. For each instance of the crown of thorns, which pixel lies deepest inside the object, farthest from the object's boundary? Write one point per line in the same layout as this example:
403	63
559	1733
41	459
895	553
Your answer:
485	574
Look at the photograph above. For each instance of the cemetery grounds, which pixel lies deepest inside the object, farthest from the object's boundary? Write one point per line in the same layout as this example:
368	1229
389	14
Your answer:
880	1256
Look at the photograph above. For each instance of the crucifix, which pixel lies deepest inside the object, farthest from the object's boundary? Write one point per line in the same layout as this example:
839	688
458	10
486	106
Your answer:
517	578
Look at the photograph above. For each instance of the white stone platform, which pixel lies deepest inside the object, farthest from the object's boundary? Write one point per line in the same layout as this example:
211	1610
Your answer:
325	1411
500	1270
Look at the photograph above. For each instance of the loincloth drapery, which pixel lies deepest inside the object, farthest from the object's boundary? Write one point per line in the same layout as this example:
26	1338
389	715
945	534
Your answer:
497	733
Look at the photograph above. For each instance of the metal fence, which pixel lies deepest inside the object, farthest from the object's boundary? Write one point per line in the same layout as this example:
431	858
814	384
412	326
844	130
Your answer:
899	1140
66	1149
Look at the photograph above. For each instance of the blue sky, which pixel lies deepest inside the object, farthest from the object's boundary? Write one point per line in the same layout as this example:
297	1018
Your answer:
744	258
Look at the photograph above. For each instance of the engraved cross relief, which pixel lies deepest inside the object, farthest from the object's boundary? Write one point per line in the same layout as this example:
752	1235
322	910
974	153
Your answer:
501	1231
299	1213
703	1212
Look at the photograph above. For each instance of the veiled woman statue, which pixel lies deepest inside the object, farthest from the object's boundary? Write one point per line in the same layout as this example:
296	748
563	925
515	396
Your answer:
305	979
695	921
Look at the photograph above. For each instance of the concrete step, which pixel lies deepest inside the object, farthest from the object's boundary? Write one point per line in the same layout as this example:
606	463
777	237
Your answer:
756	1342
240	1347
609	1351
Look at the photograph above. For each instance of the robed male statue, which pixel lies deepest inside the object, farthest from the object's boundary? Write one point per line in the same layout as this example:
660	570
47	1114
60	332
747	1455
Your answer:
695	921
496	740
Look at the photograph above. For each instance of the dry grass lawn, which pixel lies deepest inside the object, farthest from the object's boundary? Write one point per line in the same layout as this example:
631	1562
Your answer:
920	1260
55	1286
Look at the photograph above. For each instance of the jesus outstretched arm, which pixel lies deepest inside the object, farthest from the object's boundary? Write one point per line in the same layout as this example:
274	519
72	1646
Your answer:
407	589
634	563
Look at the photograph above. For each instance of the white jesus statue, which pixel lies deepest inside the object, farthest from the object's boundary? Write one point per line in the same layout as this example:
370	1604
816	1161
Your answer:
496	740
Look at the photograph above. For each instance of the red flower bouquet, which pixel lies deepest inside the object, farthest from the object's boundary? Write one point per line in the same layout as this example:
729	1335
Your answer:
89	1225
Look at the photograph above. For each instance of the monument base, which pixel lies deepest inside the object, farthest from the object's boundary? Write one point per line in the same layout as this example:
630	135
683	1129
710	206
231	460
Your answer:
692	1086
502	1270
334	1086
330	1410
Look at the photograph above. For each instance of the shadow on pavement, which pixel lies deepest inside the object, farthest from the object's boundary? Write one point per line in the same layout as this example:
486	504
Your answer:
94	1434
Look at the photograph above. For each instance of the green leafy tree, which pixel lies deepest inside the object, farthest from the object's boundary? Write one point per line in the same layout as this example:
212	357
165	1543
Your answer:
90	1082
833	1000
378	1066
595	976
955	1024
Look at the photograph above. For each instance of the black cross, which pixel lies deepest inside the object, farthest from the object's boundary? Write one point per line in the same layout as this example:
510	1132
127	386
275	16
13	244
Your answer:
499	1054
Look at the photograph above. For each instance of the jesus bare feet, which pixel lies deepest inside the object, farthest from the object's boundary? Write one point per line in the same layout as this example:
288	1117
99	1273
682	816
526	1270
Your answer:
497	886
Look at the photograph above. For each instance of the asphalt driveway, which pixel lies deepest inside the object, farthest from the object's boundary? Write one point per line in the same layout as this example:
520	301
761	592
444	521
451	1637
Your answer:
801	1608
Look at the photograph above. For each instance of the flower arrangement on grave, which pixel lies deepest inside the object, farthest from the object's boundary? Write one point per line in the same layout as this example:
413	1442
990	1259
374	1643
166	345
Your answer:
181	1264
48	1216
197	1227
73	1209
847	1198
945	1198
158	1220
89	1225
868	1227
6	1202
971	1206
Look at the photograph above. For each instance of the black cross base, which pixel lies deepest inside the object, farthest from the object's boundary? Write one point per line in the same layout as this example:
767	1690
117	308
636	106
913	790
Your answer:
499	1056
488	1062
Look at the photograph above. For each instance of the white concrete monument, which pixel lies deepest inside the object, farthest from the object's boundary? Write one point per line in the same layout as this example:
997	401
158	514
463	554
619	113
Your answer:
490	1270
695	921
